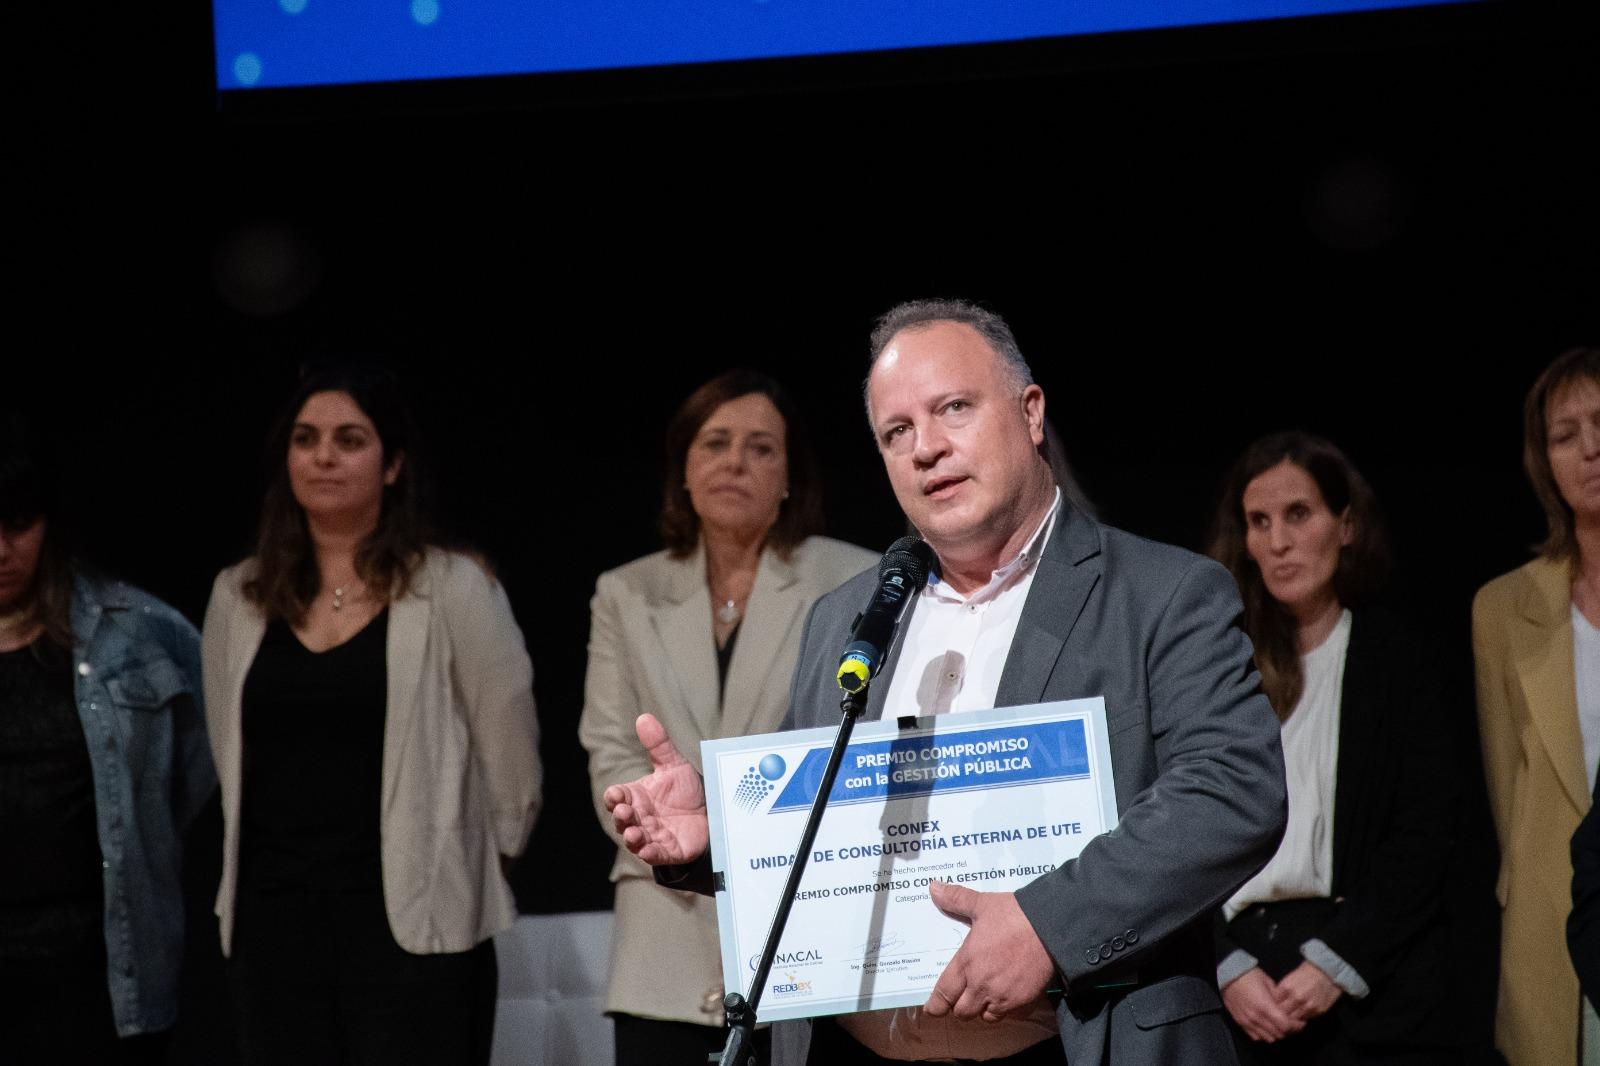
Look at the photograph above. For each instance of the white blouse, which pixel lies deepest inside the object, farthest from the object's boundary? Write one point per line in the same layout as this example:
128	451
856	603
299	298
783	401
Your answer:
1303	865
1586	678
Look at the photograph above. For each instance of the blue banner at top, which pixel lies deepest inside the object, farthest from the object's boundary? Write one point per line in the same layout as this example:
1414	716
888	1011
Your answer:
950	762
274	43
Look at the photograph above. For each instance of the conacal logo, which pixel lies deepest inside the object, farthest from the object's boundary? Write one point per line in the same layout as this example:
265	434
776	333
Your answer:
790	958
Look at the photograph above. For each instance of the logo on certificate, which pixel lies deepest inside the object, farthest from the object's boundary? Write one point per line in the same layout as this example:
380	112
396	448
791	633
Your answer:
791	986
802	957
757	782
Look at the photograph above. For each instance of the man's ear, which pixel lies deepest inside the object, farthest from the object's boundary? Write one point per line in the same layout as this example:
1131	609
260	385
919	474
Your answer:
1033	410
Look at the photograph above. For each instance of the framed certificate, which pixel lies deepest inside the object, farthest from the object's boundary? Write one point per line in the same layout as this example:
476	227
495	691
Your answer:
990	799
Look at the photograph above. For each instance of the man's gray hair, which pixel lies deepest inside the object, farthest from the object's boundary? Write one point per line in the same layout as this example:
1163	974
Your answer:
919	314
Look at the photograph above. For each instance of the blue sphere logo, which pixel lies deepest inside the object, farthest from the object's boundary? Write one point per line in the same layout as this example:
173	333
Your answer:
756	784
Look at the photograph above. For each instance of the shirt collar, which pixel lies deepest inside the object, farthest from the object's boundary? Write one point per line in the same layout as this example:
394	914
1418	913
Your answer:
1010	572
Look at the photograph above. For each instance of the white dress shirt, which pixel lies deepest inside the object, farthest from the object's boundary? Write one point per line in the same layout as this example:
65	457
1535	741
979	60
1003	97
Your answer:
955	646
950	660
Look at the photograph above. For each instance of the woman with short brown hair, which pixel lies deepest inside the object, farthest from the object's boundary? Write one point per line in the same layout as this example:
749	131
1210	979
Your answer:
703	635
1536	642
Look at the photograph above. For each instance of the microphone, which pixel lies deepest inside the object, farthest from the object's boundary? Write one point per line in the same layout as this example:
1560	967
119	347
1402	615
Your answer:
903	570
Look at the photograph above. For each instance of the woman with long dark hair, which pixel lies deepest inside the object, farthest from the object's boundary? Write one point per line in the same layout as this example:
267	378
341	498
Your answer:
1536	642
371	711
703	636
103	764
1338	950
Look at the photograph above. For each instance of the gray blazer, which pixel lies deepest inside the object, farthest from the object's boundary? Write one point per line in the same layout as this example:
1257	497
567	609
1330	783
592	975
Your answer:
1199	776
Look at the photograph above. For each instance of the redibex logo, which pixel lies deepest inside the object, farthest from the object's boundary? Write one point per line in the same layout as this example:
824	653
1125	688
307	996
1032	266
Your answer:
791	987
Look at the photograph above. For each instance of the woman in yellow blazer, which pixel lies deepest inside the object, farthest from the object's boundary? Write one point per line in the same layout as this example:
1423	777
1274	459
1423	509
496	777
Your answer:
1539	760
702	635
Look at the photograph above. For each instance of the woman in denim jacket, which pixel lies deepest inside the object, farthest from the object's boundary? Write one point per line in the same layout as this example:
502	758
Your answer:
103	763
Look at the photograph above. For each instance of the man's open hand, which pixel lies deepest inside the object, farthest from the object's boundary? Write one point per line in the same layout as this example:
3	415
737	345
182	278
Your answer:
662	816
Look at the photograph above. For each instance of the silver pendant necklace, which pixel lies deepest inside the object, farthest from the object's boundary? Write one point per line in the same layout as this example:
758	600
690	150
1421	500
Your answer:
728	613
338	599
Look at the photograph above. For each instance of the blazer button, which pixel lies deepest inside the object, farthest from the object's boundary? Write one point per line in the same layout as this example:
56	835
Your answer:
711	1002
1105	950
1092	956
1130	937
1118	943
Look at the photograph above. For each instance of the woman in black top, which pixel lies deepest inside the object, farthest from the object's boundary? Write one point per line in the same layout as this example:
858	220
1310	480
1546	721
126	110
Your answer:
372	712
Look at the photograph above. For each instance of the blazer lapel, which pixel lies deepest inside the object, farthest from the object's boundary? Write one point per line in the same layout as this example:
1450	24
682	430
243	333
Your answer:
1542	648
1361	702
1068	571
683	625
246	626
406	644
776	600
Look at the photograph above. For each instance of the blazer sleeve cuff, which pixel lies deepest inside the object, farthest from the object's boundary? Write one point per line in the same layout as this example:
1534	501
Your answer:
1339	972
1238	963
695	876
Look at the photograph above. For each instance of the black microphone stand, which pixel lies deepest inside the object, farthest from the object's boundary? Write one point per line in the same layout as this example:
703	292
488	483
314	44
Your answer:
740	1050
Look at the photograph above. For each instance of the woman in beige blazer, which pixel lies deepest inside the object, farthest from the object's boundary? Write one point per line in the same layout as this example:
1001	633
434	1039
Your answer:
702	635
371	715
1539	760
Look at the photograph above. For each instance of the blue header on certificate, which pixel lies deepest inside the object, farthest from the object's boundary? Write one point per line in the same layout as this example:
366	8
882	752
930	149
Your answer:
919	764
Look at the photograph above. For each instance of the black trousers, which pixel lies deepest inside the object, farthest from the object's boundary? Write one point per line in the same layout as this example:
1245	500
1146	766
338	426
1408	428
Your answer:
653	1042
318	980
58	1012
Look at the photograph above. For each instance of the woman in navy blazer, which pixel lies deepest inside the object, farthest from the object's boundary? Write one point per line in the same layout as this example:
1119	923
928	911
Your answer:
1360	970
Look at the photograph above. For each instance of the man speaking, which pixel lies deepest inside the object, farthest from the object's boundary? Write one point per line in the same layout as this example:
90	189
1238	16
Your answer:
1033	602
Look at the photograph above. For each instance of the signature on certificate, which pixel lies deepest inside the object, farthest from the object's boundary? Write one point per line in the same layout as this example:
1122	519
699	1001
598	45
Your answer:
878	945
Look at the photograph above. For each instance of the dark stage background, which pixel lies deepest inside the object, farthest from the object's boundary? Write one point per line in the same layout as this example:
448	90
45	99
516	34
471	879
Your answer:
1376	228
